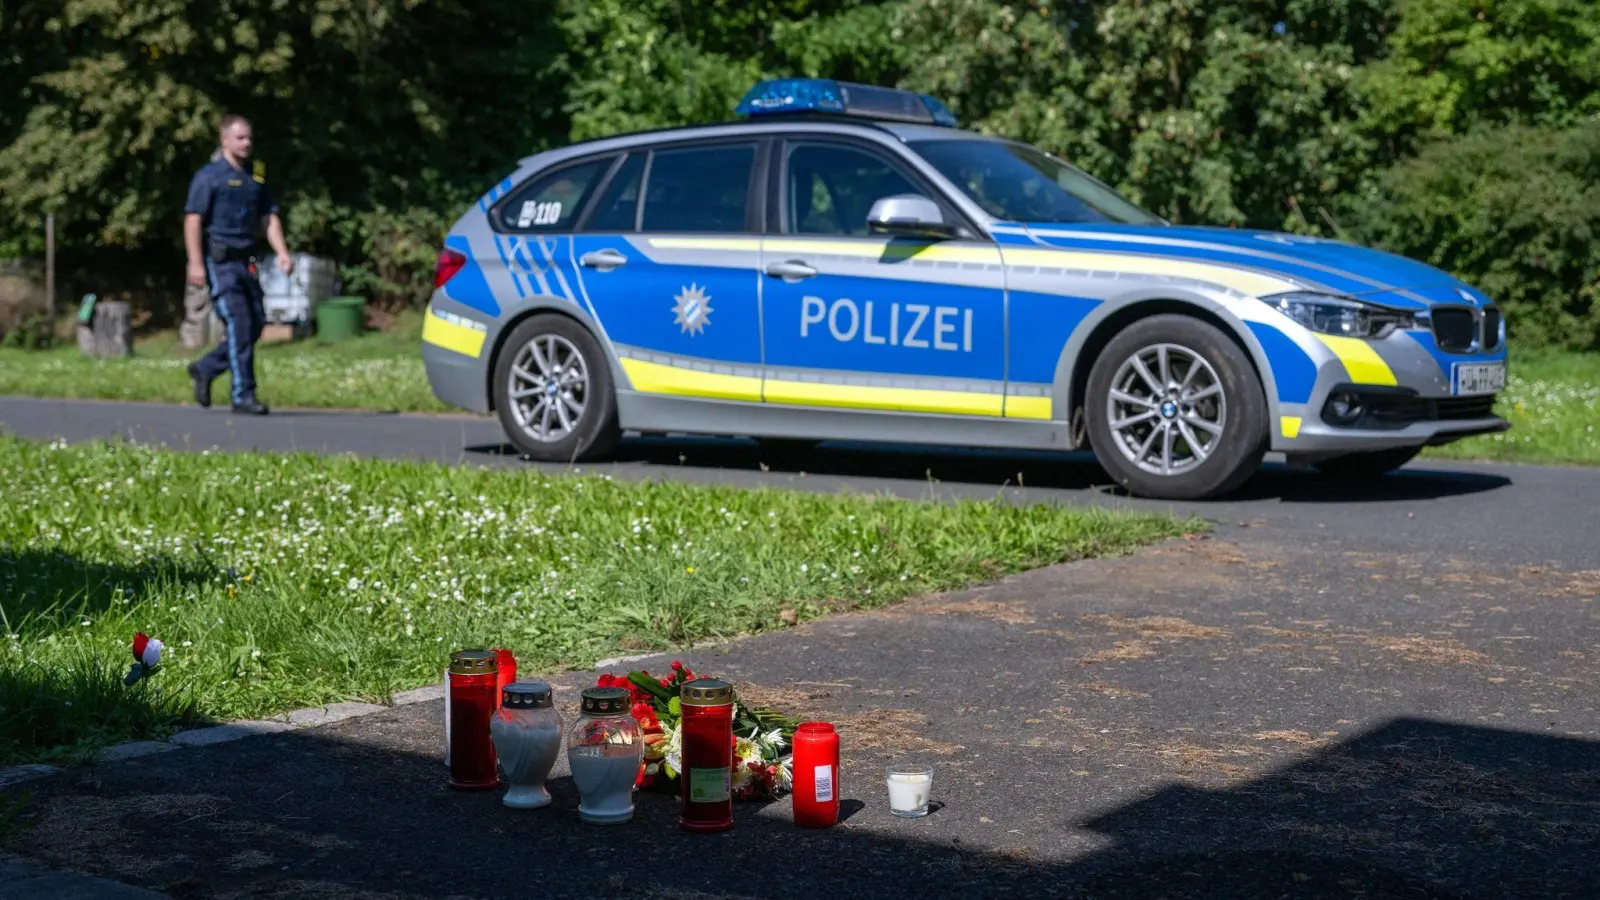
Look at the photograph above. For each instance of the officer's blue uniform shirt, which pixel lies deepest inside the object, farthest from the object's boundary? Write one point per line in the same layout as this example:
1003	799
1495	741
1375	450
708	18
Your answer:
230	203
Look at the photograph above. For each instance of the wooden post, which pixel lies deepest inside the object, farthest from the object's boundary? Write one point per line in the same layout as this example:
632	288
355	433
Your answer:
50	267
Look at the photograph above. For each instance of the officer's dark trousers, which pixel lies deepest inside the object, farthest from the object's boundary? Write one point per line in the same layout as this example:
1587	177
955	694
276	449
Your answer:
238	299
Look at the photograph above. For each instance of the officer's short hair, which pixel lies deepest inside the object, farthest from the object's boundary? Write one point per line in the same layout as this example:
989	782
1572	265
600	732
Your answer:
230	120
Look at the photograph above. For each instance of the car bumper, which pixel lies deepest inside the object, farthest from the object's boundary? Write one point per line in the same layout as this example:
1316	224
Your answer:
455	354
1402	384
1321	439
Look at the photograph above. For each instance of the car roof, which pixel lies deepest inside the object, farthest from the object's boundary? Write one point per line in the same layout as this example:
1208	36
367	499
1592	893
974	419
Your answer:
821	124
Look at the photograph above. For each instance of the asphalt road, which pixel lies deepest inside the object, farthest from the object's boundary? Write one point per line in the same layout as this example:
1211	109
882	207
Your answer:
1511	515
1208	720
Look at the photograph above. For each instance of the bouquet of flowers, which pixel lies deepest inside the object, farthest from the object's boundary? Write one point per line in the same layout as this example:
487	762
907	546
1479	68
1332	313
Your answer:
762	738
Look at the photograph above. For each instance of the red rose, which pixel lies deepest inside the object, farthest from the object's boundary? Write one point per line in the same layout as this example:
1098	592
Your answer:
677	666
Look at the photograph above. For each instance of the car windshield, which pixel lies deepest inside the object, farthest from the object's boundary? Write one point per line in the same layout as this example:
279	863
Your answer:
1020	183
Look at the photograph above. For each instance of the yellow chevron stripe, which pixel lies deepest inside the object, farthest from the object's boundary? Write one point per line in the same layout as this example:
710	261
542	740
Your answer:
1028	408
450	336
1290	425
801	393
1361	361
1252	283
655	378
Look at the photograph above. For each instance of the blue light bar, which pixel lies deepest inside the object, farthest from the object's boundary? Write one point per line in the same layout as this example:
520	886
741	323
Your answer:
790	96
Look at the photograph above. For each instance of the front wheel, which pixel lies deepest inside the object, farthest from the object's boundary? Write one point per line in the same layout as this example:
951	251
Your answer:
553	391
1175	410
1367	463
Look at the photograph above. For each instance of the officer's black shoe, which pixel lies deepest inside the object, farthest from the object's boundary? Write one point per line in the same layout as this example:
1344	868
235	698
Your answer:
202	387
250	408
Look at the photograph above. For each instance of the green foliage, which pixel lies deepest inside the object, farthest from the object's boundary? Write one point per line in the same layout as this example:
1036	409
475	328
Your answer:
1454	64
1515	211
382	120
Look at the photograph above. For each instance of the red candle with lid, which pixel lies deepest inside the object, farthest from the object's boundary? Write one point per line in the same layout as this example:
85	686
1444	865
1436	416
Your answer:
474	697
816	775
706	776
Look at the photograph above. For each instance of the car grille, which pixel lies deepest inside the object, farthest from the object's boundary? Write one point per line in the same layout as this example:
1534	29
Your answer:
1455	329
1464	407
1491	328
1400	410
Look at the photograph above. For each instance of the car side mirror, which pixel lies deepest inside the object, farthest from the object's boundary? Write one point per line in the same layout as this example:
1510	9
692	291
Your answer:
909	215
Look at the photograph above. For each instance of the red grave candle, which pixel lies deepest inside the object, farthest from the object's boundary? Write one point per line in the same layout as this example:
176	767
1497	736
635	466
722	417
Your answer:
816	775
474	697
706	775
506	663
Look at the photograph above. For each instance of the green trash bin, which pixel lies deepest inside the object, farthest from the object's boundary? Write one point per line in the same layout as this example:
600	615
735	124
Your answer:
340	318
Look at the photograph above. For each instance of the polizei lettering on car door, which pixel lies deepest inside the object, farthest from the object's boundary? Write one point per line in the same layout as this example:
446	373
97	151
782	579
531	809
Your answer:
915	325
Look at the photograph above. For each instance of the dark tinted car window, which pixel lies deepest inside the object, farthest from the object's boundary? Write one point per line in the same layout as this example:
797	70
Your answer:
830	188
1021	183
618	207
699	189
551	202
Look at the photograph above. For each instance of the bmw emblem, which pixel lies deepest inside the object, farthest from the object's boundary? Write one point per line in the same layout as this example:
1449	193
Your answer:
1169	409
1467	296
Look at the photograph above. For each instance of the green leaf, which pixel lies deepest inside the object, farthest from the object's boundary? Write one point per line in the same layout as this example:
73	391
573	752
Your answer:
675	706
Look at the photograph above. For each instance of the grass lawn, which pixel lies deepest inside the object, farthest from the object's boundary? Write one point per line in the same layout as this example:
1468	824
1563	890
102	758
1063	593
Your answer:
378	370
1553	402
1552	399
280	581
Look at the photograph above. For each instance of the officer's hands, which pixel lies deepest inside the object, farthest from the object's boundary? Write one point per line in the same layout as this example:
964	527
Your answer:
285	263
197	274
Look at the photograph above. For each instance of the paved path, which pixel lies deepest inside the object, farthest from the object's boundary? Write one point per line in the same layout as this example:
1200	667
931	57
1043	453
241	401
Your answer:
1210	719
1512	514
1385	693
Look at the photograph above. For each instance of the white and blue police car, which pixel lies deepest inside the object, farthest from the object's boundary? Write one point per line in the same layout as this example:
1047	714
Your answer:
843	262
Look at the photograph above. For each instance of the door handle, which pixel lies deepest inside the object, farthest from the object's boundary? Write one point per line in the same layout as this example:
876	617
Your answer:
790	270
603	260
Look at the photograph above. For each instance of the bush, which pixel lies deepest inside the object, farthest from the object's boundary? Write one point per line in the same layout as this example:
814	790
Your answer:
1514	211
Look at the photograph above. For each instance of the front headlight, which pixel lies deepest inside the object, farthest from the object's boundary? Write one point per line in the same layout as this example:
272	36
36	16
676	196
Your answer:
1343	316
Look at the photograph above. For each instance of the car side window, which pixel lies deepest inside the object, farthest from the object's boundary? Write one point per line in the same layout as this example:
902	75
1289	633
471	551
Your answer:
552	202
618	206
830	188
705	188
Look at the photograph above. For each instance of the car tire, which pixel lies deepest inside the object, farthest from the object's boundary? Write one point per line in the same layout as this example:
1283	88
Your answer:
576	377
1367	463
1223	394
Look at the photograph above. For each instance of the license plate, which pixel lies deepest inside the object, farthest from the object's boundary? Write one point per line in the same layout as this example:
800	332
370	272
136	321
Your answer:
1477	378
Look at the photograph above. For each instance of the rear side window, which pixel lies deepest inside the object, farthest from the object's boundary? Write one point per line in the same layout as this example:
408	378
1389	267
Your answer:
618	207
699	189
552	202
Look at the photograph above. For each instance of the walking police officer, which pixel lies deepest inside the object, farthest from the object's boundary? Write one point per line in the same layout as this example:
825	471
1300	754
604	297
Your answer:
226	207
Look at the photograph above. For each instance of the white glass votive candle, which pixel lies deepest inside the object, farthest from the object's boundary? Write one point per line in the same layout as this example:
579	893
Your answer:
909	789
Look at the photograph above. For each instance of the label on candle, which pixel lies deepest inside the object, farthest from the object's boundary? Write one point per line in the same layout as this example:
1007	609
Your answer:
710	785
824	778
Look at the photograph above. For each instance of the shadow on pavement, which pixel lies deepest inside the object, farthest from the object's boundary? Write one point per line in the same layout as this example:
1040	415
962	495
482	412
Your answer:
1412	809
997	469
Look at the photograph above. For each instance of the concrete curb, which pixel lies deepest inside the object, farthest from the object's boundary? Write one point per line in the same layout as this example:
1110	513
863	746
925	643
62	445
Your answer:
310	717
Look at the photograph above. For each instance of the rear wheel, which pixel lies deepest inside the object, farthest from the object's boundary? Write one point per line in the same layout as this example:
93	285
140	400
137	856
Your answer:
1367	463
1175	410
553	391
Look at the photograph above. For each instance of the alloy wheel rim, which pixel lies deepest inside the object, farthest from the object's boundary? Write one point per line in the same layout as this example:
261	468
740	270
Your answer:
549	388
1167	410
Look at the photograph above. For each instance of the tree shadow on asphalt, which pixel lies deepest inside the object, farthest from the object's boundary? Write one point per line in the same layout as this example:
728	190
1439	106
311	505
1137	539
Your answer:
1010	469
1410	809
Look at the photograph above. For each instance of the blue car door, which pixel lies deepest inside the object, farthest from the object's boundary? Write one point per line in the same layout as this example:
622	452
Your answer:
667	260
858	320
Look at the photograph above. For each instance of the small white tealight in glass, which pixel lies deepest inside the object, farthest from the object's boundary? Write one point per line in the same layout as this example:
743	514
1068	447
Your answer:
909	789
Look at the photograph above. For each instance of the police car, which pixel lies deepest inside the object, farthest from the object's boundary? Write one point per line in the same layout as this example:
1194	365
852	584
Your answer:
843	262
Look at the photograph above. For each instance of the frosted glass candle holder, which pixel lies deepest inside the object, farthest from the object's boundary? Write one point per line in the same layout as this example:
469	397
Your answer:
909	790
